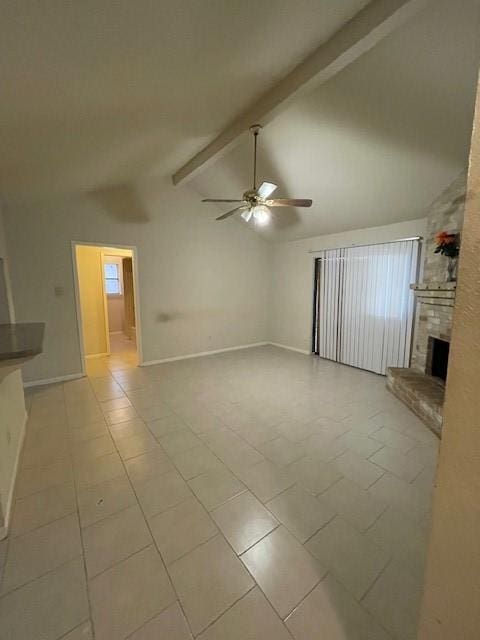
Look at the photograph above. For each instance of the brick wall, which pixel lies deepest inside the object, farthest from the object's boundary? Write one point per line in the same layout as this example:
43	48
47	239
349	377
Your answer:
444	214
432	320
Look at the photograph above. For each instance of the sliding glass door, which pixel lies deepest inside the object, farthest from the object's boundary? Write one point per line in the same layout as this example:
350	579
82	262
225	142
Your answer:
364	305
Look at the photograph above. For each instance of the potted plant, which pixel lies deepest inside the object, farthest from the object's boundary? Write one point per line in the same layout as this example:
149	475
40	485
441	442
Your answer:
448	244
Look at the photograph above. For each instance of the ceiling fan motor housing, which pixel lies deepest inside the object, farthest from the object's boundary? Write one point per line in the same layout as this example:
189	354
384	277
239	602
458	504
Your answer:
251	197
255	201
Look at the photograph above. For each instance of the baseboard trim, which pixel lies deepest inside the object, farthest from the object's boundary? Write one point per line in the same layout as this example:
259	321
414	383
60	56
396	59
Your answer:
285	346
96	355
149	363
43	381
188	356
8	510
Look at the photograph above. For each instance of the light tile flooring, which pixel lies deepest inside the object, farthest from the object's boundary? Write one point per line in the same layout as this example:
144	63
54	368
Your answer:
257	494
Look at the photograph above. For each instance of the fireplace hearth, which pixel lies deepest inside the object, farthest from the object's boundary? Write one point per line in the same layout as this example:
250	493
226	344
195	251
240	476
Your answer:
422	387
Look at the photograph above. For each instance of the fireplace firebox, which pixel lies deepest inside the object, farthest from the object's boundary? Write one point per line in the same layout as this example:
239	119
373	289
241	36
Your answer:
437	357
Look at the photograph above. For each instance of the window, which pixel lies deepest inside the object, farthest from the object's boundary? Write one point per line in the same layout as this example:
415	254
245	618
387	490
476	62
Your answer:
112	279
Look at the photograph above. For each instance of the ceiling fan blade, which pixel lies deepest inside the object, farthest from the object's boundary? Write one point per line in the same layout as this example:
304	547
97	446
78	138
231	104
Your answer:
246	215
219	200
266	189
288	202
229	213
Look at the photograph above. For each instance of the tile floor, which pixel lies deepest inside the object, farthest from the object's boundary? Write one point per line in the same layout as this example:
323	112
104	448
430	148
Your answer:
257	494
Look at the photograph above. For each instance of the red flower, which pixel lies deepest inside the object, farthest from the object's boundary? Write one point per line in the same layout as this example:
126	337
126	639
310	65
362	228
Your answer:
447	244
445	238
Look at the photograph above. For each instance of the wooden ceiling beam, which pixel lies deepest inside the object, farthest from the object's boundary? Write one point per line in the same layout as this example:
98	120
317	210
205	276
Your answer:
366	29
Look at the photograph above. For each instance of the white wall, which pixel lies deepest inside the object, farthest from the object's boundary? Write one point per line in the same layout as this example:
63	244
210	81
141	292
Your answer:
116	314
291	304
203	284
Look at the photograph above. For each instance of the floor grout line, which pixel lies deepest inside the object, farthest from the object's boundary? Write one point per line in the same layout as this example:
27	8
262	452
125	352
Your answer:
117	562
144	624
278	525
82	542
220	533
172	586
306	595
46	524
42	575
77	626
390	559
255	586
197	397
335	515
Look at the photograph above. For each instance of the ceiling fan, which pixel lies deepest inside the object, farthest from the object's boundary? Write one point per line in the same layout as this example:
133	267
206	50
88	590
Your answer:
255	202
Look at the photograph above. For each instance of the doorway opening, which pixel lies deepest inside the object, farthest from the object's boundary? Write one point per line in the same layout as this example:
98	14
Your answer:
107	306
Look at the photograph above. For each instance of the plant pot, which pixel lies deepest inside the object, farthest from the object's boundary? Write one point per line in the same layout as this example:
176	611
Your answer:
452	269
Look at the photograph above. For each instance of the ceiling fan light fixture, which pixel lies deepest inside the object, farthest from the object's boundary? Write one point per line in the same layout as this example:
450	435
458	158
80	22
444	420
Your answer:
261	214
255	203
246	215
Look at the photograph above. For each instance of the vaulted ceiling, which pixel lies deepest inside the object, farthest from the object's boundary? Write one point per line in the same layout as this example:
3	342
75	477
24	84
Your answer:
98	94
376	143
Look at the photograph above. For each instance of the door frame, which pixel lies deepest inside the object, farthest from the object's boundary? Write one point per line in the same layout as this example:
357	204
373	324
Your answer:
136	296
317	266
105	304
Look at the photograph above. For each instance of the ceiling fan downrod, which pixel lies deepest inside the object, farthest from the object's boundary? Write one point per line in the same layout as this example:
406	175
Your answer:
255	202
255	129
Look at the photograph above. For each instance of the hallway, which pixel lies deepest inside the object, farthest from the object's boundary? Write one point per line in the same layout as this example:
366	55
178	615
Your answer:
256	494
123	355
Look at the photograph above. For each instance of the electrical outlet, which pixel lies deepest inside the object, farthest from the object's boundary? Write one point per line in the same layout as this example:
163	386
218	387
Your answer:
9	436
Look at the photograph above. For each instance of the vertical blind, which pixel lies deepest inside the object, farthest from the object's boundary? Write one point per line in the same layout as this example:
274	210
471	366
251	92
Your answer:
364	305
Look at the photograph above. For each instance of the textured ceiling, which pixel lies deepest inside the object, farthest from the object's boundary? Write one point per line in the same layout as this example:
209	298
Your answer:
99	93
378	142
102	94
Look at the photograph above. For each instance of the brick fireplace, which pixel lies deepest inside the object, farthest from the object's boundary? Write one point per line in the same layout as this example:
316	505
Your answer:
437	357
422	385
